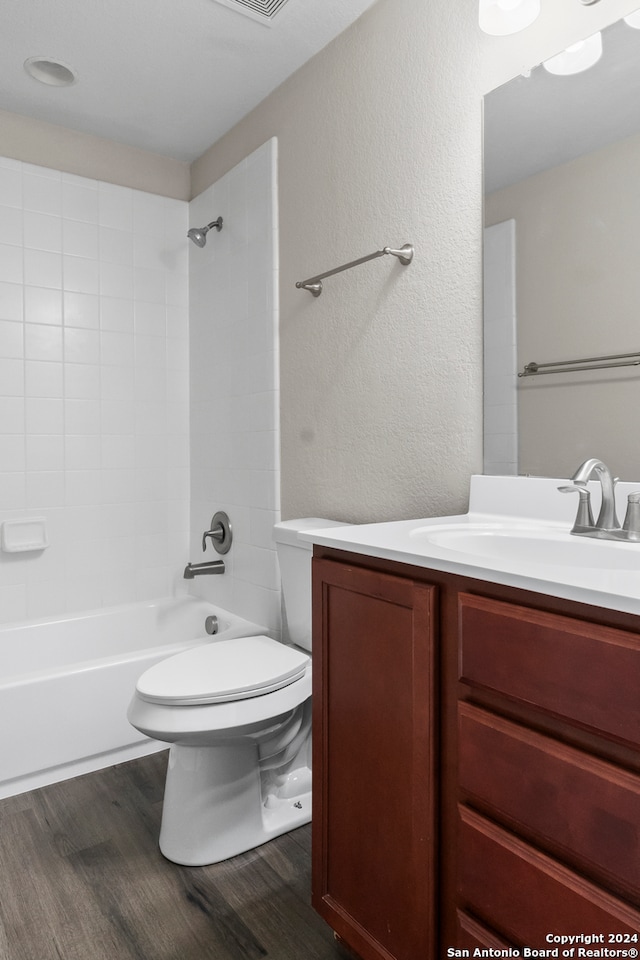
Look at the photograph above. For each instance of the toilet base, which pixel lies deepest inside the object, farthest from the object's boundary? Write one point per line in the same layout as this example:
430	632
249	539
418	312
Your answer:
215	807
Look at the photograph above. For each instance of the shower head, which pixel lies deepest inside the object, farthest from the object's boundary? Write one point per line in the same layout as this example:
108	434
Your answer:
199	234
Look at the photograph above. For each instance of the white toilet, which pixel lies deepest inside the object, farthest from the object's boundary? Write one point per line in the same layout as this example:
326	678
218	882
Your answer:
238	716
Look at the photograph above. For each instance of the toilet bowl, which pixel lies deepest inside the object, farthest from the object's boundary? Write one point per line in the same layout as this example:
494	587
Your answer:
237	714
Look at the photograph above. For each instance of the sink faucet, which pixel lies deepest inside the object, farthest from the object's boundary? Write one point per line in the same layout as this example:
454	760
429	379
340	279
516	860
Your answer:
607	519
607	526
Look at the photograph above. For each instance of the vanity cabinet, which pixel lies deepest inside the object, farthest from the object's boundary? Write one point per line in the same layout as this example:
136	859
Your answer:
476	766
373	758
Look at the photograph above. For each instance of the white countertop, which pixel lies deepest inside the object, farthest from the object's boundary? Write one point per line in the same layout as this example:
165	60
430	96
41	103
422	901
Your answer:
527	502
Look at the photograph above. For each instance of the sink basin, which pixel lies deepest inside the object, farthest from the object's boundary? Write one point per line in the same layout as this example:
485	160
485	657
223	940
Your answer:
533	544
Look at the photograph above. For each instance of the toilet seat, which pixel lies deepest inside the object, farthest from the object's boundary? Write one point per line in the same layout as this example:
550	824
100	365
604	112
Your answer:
223	671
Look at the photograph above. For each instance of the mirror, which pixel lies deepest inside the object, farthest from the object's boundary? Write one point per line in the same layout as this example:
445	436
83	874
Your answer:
562	264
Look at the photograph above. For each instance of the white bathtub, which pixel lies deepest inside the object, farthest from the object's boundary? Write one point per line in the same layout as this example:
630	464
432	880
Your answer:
65	685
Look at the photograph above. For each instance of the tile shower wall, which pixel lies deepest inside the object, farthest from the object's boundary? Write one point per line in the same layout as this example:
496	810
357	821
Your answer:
94	414
234	385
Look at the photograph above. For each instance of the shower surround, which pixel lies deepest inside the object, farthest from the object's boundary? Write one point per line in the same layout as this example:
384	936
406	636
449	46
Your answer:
95	389
235	405
94	416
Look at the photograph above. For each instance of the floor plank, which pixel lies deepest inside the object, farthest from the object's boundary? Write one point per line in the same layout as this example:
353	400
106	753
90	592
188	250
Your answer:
82	878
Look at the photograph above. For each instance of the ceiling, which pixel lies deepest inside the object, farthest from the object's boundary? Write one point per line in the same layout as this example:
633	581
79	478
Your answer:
170	76
537	122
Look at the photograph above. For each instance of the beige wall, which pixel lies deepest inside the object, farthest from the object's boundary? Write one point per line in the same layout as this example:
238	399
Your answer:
380	143
578	290
47	145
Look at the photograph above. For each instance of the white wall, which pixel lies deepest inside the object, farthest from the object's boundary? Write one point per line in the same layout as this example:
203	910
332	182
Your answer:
93	389
500	401
234	385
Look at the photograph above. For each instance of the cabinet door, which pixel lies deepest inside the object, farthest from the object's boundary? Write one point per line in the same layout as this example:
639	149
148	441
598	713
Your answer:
373	814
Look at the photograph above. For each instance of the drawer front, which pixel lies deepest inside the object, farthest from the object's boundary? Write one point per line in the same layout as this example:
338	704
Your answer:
581	672
524	895
579	808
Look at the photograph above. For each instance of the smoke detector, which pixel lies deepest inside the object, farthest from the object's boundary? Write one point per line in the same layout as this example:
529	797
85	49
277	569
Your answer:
262	10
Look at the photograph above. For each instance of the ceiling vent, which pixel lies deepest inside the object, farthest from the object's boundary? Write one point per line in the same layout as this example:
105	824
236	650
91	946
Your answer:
262	10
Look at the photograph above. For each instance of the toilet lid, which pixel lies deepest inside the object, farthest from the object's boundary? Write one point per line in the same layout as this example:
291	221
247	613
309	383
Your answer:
221	671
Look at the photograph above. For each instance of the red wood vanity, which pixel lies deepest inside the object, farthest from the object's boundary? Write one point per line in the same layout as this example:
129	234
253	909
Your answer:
476	766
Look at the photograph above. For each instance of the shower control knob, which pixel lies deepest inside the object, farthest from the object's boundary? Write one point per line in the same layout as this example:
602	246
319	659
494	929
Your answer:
211	624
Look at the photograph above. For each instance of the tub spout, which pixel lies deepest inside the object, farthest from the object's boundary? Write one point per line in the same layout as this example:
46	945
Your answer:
200	569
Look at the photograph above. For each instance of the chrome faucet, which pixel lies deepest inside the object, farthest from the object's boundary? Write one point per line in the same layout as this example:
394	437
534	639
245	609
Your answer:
607	519
221	537
607	526
199	569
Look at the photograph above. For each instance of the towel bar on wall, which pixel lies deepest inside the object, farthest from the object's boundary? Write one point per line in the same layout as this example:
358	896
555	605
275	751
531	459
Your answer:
587	363
314	284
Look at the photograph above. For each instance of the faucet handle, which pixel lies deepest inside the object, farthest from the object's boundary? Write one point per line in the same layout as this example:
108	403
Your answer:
632	518
216	533
584	517
219	533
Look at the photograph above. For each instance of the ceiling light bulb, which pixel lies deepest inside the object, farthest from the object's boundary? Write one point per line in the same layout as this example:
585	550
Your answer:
502	17
633	20
576	58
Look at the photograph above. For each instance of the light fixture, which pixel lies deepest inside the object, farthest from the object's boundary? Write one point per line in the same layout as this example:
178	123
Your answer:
576	58
633	20
54	73
502	17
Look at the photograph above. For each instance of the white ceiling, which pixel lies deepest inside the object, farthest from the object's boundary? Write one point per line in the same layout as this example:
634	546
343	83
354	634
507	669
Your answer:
537	122
170	76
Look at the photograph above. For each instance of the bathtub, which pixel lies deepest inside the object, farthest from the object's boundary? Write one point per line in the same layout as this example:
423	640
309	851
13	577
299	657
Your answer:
65	685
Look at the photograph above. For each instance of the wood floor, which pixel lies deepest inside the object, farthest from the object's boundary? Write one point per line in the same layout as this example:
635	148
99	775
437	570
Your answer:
81	878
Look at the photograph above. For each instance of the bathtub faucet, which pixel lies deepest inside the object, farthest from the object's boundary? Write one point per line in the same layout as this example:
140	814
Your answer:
199	569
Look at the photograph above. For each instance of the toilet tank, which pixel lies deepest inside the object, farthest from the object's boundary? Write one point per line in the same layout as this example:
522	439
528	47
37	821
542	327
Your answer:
294	556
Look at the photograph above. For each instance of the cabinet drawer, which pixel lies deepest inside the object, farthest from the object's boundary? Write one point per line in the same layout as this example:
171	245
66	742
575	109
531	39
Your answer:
524	895
578	671
579	808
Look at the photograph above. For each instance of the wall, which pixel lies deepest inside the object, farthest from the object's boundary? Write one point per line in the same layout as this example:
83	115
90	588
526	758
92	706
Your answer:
71	151
578	290
234	385
380	143
500	400
93	389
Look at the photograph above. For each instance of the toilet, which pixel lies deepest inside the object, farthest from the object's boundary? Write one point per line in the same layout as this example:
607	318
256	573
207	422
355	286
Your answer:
237	714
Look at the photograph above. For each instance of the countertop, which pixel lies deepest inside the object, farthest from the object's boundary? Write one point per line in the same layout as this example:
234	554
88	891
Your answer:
526	502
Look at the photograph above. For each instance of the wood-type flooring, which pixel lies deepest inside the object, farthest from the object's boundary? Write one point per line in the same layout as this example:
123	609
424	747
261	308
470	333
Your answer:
82	878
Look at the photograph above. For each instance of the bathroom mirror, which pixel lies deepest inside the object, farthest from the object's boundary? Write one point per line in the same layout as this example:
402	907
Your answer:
562	264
